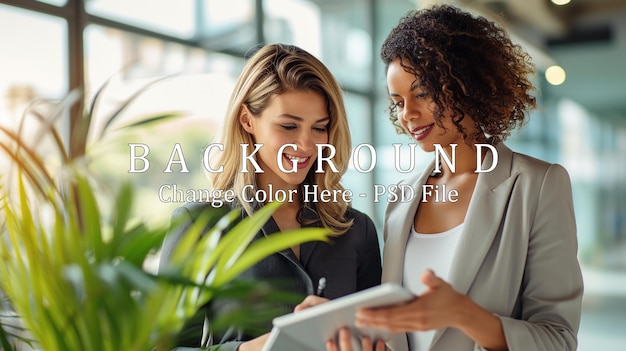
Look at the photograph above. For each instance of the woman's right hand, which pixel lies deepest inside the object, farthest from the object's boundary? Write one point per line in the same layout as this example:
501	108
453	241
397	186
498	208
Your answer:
345	343
255	344
310	301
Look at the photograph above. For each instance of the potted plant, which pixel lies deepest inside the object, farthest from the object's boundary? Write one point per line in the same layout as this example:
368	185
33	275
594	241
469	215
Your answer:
73	270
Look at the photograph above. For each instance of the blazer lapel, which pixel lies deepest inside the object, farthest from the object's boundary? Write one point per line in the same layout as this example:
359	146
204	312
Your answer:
482	222
483	218
398	226
269	228
306	249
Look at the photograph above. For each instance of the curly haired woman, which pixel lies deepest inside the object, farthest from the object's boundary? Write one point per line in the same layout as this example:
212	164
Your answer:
494	266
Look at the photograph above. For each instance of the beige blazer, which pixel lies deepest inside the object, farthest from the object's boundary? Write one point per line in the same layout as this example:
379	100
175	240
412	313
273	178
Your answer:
517	256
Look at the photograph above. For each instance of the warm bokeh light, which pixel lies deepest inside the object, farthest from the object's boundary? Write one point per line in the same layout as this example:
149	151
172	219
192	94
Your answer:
555	75
560	2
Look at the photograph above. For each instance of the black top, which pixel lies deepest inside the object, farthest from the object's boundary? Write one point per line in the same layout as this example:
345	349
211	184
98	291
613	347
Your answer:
350	262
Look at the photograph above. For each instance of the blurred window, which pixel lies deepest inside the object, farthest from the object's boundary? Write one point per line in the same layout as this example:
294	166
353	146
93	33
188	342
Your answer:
54	2
358	109
176	18
221	28
335	31
208	23
33	63
174	78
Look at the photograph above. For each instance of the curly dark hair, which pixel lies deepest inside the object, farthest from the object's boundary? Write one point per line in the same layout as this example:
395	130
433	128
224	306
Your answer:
468	66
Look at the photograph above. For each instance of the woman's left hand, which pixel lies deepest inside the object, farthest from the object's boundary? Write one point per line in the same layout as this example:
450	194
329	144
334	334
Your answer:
440	306
345	343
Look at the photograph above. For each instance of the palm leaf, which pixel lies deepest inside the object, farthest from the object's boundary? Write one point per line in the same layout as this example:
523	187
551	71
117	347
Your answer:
47	124
74	272
159	118
55	135
115	114
233	245
275	242
28	161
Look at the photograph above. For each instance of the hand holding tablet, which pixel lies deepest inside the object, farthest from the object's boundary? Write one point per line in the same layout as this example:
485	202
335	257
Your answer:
310	328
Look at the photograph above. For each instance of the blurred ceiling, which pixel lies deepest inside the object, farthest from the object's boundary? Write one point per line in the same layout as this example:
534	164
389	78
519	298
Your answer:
585	37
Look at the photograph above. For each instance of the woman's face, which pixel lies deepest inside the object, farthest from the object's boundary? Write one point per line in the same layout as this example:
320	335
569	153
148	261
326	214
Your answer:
414	109
297	117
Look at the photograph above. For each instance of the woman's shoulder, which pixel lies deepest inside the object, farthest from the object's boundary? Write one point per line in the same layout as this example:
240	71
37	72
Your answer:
535	167
361	221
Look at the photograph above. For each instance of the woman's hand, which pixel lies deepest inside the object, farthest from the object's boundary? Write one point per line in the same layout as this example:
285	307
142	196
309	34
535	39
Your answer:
345	343
255	344
310	301
439	307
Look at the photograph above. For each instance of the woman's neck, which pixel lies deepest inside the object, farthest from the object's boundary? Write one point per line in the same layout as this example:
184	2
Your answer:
462	157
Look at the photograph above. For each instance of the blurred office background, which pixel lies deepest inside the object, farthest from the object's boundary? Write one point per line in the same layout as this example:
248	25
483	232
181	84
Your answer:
48	47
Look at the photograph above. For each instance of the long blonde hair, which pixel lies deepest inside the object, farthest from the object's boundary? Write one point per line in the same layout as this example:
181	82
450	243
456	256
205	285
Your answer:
273	70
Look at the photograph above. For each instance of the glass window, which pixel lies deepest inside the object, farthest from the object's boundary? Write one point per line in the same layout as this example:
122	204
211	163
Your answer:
360	183
336	32
211	23
176	18
33	67
221	28
197	86
33	63
54	2
293	22
347	41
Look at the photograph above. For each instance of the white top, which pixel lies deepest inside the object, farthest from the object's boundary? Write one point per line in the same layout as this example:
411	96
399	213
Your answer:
428	251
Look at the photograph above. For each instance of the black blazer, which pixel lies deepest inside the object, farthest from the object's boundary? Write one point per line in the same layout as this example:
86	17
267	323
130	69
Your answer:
350	262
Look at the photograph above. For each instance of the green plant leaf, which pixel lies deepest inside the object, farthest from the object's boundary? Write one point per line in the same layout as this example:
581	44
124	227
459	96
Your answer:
47	125
123	206
159	118
55	135
28	162
273	243
136	243
4	339
90	218
199	248
113	116
235	242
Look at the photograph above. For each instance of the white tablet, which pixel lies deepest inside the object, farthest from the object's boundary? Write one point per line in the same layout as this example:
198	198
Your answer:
309	329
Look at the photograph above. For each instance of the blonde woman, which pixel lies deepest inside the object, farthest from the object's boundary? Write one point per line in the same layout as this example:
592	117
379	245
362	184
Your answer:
288	101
